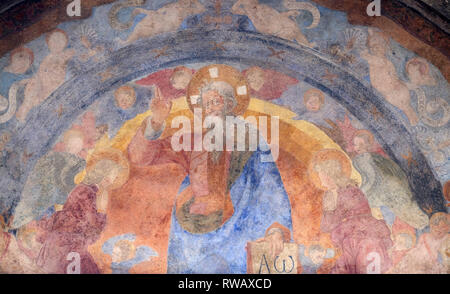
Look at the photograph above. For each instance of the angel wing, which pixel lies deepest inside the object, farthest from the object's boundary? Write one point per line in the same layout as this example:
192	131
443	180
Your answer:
49	183
400	198
391	169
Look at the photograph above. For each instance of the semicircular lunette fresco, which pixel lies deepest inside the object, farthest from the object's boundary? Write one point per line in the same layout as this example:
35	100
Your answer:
113	157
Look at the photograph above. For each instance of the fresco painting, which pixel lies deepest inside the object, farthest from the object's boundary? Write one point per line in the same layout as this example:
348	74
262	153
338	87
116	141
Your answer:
223	136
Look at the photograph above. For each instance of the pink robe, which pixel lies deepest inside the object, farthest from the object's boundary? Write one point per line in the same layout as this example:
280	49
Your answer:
72	230
143	152
357	234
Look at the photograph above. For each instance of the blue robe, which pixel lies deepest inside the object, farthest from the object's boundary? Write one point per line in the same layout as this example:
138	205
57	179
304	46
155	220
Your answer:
259	200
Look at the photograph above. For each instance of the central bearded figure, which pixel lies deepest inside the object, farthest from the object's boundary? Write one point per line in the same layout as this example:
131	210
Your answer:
228	197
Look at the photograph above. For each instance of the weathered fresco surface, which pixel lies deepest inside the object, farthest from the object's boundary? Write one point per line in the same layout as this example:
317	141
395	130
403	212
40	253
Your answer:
352	177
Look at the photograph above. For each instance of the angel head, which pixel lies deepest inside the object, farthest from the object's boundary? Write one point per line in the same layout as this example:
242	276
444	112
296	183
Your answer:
125	97
181	77
313	100
57	41
20	60
255	77
378	42
317	254
73	141
363	141
123	250
440	224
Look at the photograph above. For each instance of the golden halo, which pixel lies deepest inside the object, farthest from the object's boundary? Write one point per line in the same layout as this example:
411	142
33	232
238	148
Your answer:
325	155
219	73
116	156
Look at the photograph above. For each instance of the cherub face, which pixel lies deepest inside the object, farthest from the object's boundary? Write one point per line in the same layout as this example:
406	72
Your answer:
57	42
360	145
313	103
256	79
20	62
122	251
377	46
181	80
317	256
440	229
125	99
74	144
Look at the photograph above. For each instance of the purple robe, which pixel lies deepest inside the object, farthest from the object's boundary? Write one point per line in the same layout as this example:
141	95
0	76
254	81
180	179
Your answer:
362	240
72	230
